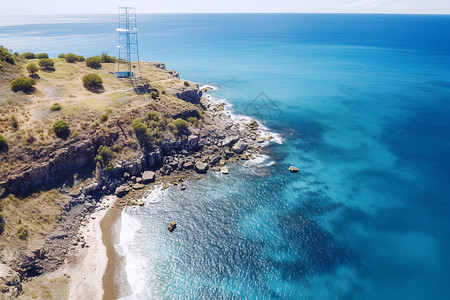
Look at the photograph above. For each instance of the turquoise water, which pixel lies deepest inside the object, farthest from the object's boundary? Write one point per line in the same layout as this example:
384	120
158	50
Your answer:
363	110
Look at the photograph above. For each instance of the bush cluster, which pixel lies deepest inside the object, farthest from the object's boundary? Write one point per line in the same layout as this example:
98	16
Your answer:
105	58
23	84
104	158
46	63
193	121
94	62
179	127
5	55
28	55
55	107
71	58
61	128
41	55
3	144
32	68
92	81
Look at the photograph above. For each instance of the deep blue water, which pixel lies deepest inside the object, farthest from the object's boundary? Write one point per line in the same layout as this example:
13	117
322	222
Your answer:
363	109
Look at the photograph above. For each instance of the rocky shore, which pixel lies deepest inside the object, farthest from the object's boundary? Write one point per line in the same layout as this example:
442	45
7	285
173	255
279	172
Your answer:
211	146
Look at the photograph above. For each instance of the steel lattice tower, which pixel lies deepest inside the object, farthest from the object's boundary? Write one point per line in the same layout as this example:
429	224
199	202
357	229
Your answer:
128	42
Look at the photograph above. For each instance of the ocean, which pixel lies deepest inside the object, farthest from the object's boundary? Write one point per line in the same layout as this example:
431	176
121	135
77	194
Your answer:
361	104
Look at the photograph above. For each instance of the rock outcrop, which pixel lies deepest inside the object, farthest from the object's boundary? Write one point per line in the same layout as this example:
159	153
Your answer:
201	167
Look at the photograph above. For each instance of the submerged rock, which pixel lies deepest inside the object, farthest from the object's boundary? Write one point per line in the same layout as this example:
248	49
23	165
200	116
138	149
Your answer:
172	226
224	170
293	169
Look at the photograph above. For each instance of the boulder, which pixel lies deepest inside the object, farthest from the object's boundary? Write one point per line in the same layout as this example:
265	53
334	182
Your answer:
230	141
121	191
192	142
138	186
172	226
239	147
148	176
188	165
293	169
215	160
201	167
224	170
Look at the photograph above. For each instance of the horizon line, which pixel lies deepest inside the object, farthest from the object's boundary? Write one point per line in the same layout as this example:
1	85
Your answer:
231	13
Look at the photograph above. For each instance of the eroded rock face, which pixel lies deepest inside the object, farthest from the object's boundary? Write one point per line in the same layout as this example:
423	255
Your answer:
189	93
62	163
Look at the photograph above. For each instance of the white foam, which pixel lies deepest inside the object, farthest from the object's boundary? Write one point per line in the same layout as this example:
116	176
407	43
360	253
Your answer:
130	226
212	87
262	160
154	196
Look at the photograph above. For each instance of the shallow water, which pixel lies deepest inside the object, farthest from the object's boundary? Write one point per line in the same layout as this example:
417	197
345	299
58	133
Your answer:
361	103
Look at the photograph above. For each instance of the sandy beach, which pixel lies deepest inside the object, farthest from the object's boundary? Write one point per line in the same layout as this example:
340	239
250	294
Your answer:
86	271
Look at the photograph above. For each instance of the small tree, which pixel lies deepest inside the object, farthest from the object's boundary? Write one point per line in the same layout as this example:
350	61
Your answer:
3	144
32	69
92	81
41	55
93	62
46	63
61	129
23	84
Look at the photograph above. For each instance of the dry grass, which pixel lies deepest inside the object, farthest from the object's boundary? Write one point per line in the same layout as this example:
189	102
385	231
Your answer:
33	139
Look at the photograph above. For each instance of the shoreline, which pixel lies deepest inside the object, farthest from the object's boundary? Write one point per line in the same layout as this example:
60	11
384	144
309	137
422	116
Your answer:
115	272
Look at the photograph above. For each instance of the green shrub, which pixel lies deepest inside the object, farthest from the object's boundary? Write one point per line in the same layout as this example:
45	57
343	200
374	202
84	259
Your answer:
92	81
1	67
9	59
103	117
5	55
28	55
105	58
32	68
22	232
186	83
93	62
3	144
55	107
104	157
79	58
61	129
153	95
41	55
61	55
46	63
179	127
70	57
23	84
193	121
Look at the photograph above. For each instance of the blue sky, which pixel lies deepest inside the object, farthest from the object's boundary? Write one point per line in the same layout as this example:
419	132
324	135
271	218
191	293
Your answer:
34	7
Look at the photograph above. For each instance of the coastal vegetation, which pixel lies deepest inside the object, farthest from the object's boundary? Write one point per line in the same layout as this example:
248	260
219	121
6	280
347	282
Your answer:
55	107
92	81
105	58
32	68
42	55
71	57
6	56
23	84
28	55
61	128
46	63
104	158
94	62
